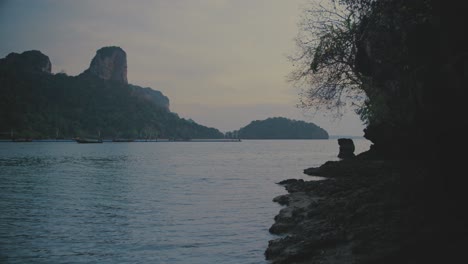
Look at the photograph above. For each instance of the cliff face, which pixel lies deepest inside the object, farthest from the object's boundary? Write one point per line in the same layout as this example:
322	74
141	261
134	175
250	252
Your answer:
414	58
110	63
28	61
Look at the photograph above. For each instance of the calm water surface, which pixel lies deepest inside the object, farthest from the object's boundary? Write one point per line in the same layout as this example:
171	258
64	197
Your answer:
160	202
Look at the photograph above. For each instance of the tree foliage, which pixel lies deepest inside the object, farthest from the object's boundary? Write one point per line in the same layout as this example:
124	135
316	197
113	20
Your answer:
325	59
363	50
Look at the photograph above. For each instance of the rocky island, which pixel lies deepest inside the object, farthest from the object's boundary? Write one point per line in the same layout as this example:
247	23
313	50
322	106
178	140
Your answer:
280	128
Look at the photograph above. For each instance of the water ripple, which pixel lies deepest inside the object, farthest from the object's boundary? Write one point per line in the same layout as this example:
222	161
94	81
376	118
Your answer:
146	203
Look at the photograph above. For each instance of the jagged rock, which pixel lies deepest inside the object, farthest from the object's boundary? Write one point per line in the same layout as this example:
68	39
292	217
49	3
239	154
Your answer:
346	148
327	221
289	181
282	199
30	61
312	171
109	63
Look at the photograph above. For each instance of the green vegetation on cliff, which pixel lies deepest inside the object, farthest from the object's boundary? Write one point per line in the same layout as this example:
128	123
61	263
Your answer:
35	103
280	128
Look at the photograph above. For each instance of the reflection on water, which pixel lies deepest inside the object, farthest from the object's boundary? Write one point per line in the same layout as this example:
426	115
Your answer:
146	203
25	161
48	161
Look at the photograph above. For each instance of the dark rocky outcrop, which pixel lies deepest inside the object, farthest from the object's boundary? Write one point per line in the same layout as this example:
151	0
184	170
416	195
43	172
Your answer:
109	63
346	148
413	55
32	61
366	211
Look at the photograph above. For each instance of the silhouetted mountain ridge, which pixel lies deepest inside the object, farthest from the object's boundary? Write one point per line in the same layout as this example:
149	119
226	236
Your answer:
38	104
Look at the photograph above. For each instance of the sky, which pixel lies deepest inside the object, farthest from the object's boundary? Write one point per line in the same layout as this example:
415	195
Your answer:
222	63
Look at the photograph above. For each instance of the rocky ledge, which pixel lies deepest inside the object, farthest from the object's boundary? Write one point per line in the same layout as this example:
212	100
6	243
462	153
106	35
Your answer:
365	211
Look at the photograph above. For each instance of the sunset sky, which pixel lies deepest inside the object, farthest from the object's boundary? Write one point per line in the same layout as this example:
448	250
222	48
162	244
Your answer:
222	63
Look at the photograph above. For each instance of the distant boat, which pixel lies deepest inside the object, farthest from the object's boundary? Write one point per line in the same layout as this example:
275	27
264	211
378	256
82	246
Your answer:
22	140
87	140
122	140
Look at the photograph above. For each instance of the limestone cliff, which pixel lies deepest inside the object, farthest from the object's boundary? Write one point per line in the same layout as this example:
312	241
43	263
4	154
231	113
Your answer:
110	63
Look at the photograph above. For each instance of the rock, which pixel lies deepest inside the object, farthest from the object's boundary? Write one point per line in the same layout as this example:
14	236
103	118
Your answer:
281	228
313	171
346	148
377	211
29	61
289	181
109	63
282	199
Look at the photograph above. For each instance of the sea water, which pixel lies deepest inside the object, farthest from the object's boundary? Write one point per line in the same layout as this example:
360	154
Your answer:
153	202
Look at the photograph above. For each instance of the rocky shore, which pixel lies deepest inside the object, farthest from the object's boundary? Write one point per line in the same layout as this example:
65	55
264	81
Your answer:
366	211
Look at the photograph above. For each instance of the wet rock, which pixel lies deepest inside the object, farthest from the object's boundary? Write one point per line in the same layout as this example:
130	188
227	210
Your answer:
289	181
312	171
339	220
282	199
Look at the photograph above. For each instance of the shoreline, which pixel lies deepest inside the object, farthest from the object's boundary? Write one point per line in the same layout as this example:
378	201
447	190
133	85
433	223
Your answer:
369	211
322	220
364	211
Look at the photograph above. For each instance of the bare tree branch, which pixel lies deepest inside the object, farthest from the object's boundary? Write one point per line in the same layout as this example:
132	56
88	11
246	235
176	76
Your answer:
325	61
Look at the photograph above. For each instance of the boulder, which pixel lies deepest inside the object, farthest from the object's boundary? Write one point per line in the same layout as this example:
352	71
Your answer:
346	148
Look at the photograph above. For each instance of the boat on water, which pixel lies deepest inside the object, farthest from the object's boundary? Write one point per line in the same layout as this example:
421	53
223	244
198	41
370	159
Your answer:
122	140
22	140
87	140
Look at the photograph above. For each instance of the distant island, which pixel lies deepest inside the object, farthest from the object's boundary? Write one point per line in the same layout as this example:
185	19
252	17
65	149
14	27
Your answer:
279	128
35	103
